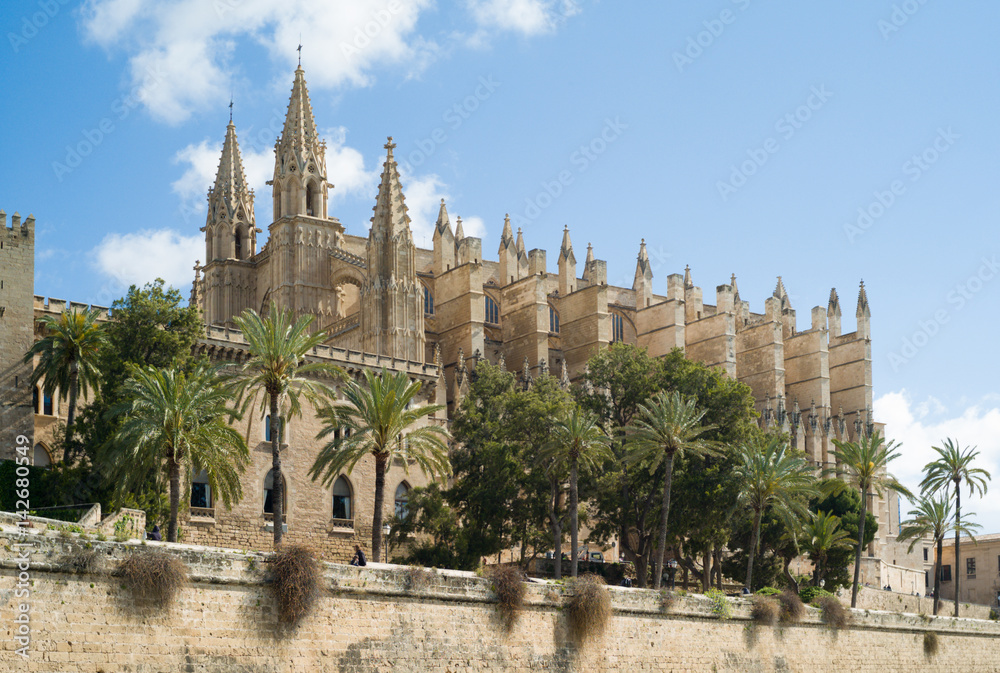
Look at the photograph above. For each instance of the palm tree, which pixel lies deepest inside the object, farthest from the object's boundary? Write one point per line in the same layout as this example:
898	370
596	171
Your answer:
863	464
664	427
378	419
932	516
68	359
952	466
820	535
770	475
176	422
577	441
276	377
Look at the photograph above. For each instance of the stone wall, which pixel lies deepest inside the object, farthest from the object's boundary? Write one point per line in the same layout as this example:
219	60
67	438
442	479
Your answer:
17	277
383	618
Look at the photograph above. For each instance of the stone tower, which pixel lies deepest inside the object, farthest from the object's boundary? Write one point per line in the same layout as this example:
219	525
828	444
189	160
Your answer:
392	314
230	238
17	277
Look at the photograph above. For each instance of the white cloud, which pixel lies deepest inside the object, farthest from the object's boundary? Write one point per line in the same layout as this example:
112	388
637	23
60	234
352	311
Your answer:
529	17
921	425
345	168
143	256
180	51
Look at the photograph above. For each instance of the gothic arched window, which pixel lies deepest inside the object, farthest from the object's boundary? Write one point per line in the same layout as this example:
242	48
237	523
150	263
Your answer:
553	320
492	311
238	240
617	328
402	500
428	301
269	490
342	505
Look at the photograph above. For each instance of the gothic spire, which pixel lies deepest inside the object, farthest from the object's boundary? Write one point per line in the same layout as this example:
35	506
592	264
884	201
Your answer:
391	218
299	185
590	254
507	237
642	263
566	251
688	283
863	309
736	289
782	294
230	180
520	242
300	126
459	230
442	221
833	306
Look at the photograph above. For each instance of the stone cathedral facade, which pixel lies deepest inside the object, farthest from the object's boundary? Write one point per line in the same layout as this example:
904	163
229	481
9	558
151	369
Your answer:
435	313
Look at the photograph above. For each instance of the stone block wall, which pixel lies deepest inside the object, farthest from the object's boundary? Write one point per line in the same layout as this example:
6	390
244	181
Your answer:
386	618
17	330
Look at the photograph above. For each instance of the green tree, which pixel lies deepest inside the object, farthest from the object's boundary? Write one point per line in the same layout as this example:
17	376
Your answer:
378	419
772	476
577	441
68	360
953	466
277	378
176	423
665	427
933	517
864	464
846	505
821	535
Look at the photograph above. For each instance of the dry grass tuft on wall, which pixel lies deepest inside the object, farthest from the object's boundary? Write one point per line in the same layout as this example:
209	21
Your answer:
295	582
588	608
792	607
833	613
510	589
765	610
153	578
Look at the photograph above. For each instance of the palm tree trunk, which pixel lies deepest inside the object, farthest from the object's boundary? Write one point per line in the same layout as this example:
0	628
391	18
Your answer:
857	552
174	472
74	390
958	554
937	575
555	526
754	541
380	464
661	547
574	518
277	483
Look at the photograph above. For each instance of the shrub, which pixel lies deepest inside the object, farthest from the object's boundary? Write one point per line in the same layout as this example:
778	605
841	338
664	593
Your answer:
509	587
418	579
792	608
84	561
720	605
765	610
588	608
152	577
666	600
767	591
993	614
810	594
930	644
834	614
295	582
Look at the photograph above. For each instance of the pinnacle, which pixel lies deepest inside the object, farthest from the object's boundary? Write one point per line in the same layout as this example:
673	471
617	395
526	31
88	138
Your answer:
567	245
863	300
300	126
442	221
390	205
230	180
688	283
508	235
520	241
834	303
590	253
736	289
459	230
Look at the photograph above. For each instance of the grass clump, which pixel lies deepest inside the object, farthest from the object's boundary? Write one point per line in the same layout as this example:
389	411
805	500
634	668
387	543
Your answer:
153	578
792	607
295	582
833	613
767	591
667	599
720	604
930	644
765	610
588	608
509	588
84	561
418	579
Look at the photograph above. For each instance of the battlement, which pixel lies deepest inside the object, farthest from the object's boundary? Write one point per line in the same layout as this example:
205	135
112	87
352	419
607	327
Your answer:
18	227
53	305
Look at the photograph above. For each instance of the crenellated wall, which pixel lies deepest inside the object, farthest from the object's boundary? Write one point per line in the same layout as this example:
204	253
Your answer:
387	618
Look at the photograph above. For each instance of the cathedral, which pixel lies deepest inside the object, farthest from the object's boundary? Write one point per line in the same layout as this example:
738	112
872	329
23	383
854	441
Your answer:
435	313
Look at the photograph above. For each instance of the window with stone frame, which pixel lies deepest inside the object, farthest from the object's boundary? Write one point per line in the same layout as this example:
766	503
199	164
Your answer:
268	494
201	495
492	311
970	566
402	500
343	505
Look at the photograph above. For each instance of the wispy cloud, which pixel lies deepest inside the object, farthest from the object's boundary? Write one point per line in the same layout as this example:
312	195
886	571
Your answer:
143	256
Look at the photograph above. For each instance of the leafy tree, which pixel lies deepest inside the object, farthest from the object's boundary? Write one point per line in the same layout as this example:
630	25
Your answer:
378	419
68	360
846	505
177	422
953	466
577	441
932	516
665	427
821	536
626	498
430	514
864	465
277	378
772	476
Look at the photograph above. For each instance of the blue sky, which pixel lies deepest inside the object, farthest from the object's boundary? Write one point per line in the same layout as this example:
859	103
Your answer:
825	142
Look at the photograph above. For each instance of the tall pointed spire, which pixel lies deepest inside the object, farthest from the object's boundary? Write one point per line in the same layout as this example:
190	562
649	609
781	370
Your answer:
688	283
520	242
833	306
229	226
507	237
736	289
507	254
781	293
863	308
391	218
522	255
442	221
590	254
643	282
299	183
567	265
566	250
459	231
